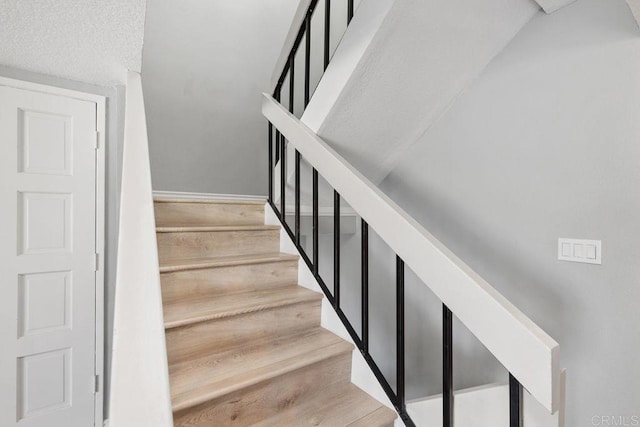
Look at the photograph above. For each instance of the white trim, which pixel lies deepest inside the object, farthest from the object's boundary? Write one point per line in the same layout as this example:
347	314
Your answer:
210	196
53	90
518	343
101	196
485	405
100	193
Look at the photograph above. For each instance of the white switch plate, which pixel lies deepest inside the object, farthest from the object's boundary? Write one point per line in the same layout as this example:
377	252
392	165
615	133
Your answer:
580	250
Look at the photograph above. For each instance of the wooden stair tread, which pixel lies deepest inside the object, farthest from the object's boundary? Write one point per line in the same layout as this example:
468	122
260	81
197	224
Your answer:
341	405
200	380
199	309
381	417
179	264
244	341
209	201
213	228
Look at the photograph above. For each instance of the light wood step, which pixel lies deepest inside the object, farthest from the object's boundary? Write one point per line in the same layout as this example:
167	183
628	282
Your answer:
340	405
182	313
200	326
267	398
204	277
244	342
208	211
196	381
381	417
176	242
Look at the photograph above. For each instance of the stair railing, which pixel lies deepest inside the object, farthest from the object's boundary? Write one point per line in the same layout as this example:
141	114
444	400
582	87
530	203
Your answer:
525	350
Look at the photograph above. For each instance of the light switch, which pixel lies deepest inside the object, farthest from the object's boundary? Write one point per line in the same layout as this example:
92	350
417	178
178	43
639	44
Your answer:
580	250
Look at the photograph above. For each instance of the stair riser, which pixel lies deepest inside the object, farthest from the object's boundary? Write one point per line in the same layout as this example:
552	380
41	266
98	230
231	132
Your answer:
219	335
269	398
225	280
196	244
208	214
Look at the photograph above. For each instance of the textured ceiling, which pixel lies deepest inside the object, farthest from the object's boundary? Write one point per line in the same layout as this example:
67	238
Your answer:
93	41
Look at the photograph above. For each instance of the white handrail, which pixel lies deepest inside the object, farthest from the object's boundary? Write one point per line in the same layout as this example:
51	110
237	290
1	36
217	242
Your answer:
139	394
520	345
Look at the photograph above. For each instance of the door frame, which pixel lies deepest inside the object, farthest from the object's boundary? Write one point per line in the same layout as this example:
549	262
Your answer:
101	119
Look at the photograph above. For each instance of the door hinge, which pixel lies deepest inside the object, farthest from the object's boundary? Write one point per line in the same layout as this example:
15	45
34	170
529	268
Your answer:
96	383
96	262
97	141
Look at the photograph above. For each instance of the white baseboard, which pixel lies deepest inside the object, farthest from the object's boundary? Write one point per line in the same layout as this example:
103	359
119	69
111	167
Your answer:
188	195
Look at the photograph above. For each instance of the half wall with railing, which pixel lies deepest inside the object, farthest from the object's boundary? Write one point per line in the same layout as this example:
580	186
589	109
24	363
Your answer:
139	394
526	351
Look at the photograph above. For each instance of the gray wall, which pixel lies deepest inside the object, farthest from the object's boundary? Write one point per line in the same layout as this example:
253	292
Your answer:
424	54
546	144
204	67
114	139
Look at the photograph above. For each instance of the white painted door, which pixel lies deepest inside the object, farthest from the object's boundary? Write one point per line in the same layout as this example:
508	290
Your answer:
47	259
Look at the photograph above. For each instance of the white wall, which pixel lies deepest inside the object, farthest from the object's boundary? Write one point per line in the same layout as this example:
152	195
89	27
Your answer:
205	65
546	144
337	37
92	41
353	47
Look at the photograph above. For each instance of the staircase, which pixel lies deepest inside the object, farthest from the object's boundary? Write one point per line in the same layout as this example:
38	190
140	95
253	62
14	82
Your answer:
244	342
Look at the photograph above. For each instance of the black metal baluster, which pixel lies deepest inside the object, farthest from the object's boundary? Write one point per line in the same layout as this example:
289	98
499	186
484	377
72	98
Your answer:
307	60
283	179
316	230
336	249
349	11
270	162
364	260
447	367
515	402
292	84
400	377
277	95
292	79
327	31
297	200
307	73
